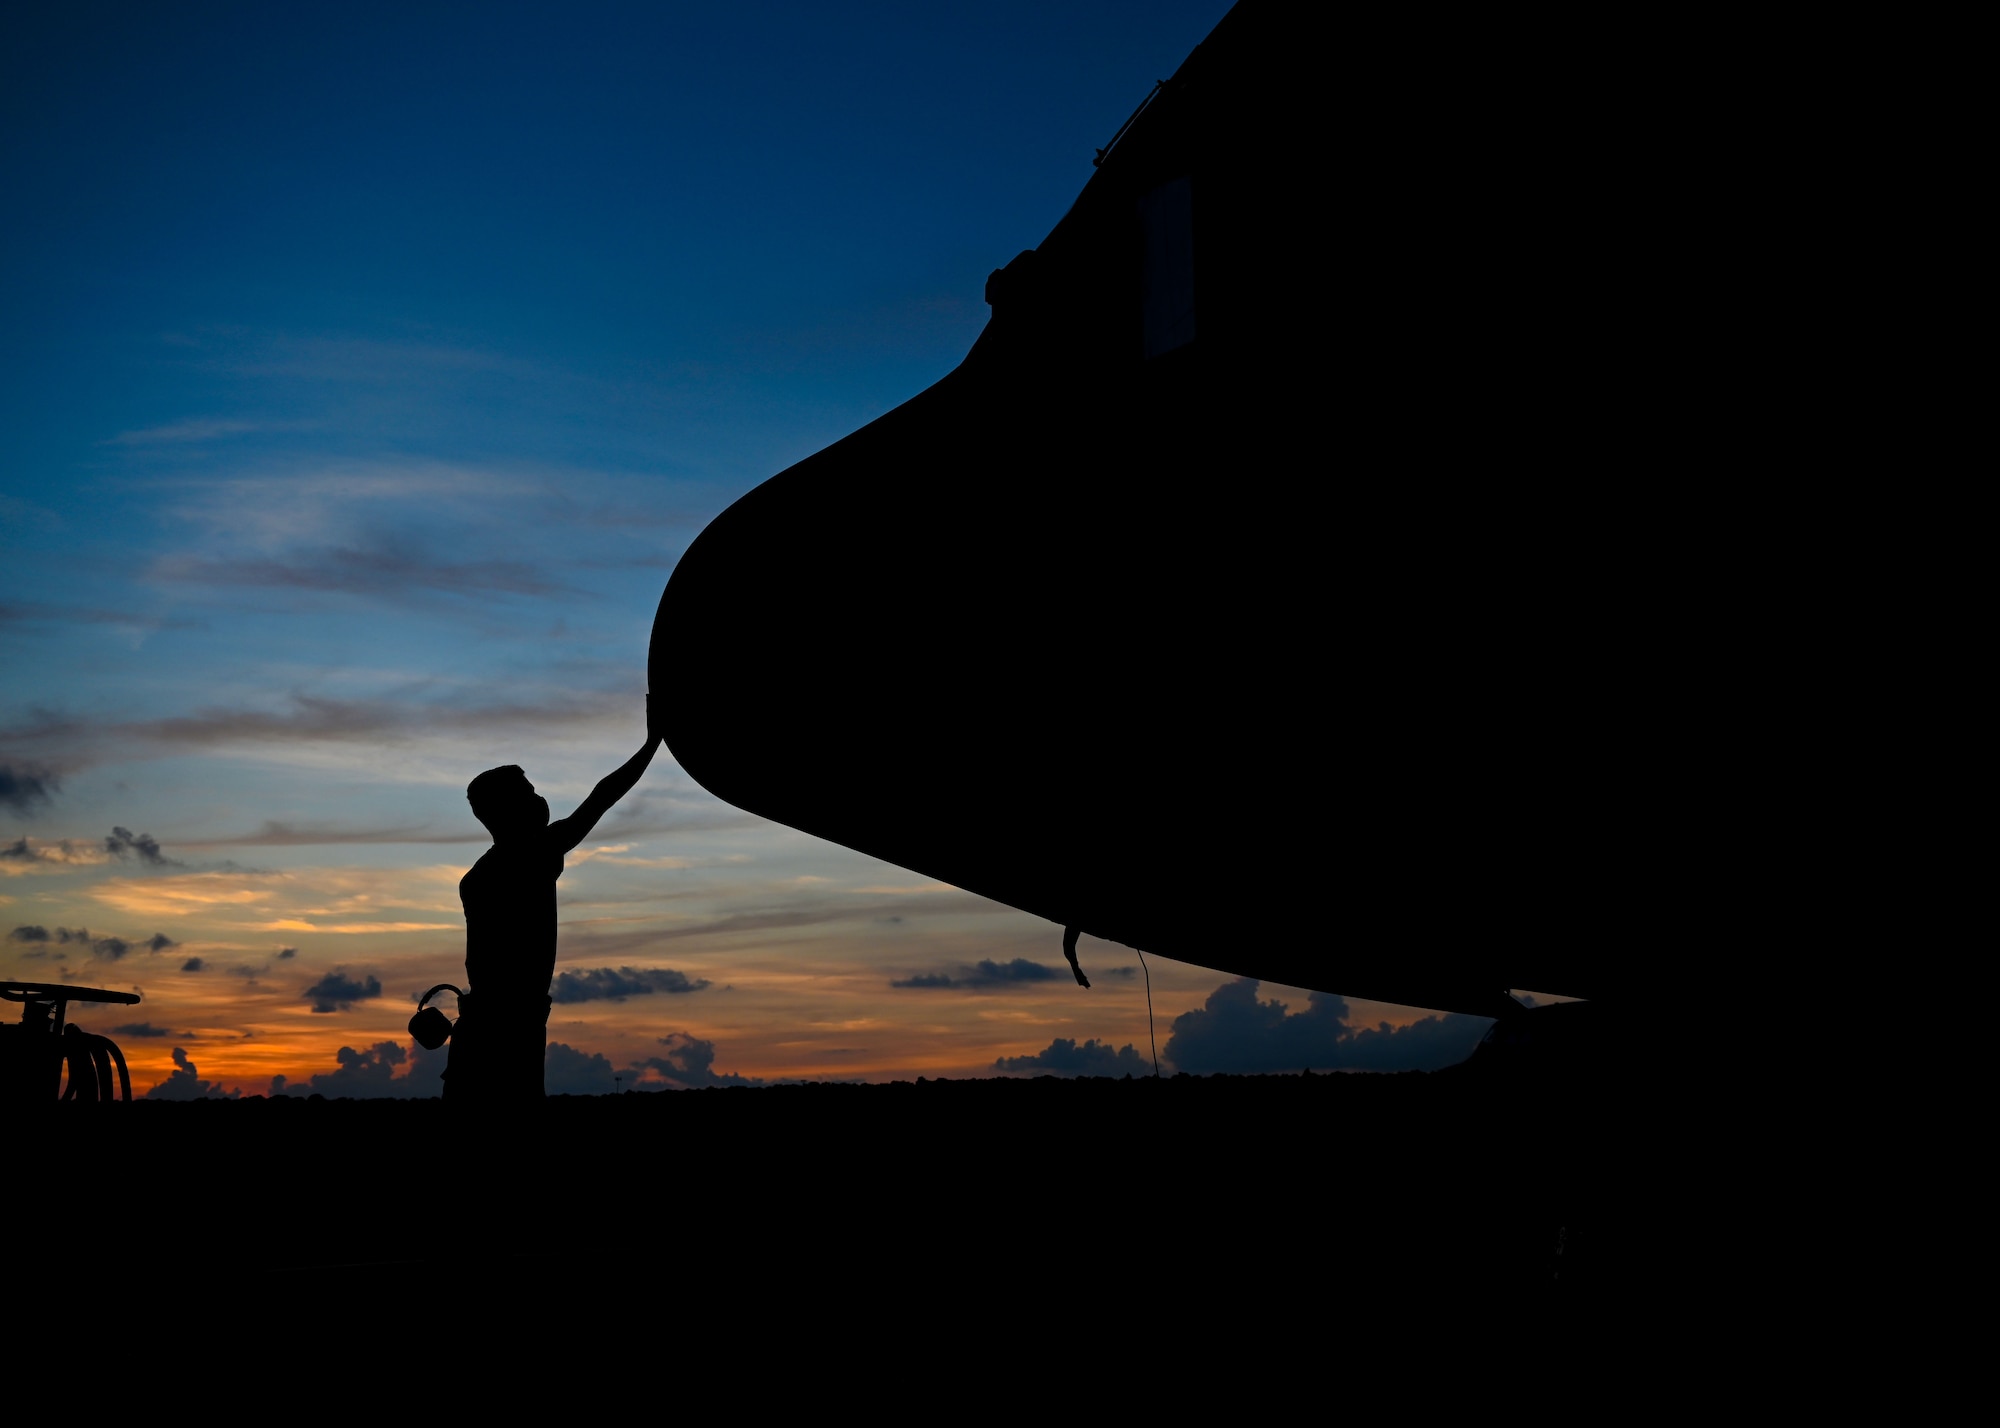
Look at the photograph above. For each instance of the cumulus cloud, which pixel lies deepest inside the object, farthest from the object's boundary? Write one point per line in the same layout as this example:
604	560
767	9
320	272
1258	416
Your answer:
1063	1057
24	790
373	1074
29	933
567	1071
159	942
193	964
1235	1032
982	975
140	1028
426	1074
337	992
603	984
123	843
689	1065
185	1084
285	954
109	948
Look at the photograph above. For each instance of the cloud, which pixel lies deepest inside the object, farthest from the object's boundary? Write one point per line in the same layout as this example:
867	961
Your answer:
23	791
1063	1057
426	1074
372	1074
1234	1032
110	949
337	991
22	614
285	954
567	1071
310	718
123	843
828	913
193	429
388	566
193	964
183	1084
689	1065
418	715
986	973
27	854
288	835
603	984
159	942
140	1028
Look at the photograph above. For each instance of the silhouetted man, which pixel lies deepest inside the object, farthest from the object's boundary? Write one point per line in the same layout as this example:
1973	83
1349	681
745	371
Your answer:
510	930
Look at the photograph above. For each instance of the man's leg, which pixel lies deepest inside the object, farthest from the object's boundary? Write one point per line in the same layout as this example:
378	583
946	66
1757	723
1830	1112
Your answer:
462	1064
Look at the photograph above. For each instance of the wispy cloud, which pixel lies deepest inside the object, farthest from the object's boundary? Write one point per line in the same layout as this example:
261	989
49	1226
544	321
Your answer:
333	900
313	718
191	430
278	834
371	361
27	855
140	1028
180	896
388	568
819	914
295	924
31	613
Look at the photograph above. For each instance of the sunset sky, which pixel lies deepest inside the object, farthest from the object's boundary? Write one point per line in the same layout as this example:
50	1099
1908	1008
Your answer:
366	370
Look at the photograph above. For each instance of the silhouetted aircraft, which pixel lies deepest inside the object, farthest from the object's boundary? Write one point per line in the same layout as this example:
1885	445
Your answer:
1305	575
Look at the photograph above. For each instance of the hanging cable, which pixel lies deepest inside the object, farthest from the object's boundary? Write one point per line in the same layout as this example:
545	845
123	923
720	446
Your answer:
1105	152
1149	1014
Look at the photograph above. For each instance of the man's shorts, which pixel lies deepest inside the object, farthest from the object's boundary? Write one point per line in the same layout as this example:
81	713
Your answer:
497	1050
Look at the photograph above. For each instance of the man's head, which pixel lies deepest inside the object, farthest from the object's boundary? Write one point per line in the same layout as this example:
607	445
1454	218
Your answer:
506	802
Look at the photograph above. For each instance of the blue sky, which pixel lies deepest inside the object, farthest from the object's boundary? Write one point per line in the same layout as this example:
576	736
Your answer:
366	369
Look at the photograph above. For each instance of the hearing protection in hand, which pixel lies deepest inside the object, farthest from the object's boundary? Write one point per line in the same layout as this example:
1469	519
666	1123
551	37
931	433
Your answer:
431	1027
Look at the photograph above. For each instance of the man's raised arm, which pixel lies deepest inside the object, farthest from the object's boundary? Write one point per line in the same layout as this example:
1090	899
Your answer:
572	830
